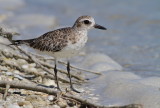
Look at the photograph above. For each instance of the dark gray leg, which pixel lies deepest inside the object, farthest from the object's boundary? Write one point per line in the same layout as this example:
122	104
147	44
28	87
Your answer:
56	78
69	75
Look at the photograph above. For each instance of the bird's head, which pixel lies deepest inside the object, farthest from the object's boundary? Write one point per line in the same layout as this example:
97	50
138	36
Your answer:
87	22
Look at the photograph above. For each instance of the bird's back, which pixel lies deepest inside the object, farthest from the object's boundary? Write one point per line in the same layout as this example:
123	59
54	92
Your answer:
57	40
51	41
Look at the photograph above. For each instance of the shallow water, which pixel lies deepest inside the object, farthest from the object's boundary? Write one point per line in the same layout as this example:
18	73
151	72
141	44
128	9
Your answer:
132	38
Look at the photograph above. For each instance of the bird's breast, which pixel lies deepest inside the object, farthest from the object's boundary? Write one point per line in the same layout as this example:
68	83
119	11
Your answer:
77	42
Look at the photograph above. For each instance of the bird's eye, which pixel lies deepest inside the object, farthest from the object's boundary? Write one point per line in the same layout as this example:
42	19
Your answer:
86	22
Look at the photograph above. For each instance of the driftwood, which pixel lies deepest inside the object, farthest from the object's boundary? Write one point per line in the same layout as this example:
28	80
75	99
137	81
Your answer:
6	91
50	91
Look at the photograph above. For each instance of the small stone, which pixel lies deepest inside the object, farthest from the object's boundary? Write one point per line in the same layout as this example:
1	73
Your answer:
48	82
50	97
32	65
36	101
32	69
70	103
25	66
21	62
55	106
73	107
62	103
3	68
15	105
25	104
38	79
16	72
9	73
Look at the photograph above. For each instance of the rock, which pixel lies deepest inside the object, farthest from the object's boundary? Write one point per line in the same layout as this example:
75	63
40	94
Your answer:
51	97
54	106
32	65
48	82
38	79
62	103
22	62
9	73
36	101
32	69
16	72
25	104
25	66
3	68
73	107
15	105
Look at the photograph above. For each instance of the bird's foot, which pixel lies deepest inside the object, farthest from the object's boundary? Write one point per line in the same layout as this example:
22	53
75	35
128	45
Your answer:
73	89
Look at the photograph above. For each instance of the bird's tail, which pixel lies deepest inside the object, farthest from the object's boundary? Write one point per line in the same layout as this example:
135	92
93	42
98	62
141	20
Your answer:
19	42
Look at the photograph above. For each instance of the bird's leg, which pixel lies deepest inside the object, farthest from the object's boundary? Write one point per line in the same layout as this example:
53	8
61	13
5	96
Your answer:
56	78
69	75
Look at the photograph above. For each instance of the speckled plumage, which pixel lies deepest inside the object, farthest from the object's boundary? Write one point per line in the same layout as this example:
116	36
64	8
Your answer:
61	41
64	42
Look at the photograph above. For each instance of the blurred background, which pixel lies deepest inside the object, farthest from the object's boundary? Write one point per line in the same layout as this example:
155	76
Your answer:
132	38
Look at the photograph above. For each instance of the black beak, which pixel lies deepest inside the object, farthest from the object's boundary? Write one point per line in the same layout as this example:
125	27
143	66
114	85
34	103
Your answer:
99	27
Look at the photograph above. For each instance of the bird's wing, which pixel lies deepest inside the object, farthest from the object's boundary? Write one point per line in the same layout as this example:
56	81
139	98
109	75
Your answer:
50	41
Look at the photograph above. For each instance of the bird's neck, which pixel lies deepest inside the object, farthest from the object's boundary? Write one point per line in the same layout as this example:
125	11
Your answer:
80	29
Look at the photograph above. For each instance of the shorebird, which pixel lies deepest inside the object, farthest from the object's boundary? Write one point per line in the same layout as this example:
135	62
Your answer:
63	42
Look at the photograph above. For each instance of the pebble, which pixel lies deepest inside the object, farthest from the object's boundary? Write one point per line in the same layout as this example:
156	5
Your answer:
9	73
62	103
55	106
3	68
32	65
15	105
25	104
50	97
36	101
16	72
22	62
32	69
48	82
25	66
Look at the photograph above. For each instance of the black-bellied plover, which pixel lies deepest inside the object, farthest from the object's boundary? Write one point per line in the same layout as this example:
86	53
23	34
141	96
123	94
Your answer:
63	42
